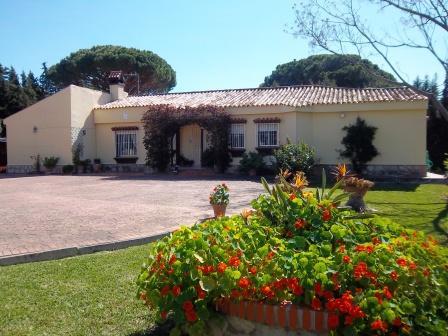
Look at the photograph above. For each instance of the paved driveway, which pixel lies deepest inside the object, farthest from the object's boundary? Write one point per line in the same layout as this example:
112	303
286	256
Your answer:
42	213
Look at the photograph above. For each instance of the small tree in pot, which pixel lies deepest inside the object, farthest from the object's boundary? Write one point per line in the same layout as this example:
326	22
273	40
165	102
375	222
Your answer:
50	163
219	198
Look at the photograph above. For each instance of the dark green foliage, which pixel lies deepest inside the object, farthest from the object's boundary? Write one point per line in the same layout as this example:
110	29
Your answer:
67	169
208	158
295	157
50	162
252	160
162	122
358	142
330	70
91	68
437	127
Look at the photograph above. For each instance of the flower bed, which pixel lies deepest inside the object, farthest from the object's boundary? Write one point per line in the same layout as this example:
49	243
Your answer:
296	248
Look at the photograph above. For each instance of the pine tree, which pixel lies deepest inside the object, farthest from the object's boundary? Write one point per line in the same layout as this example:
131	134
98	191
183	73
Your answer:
444	99
46	85
15	95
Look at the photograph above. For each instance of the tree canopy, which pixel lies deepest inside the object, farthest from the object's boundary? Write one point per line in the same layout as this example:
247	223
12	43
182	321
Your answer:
91	68
331	70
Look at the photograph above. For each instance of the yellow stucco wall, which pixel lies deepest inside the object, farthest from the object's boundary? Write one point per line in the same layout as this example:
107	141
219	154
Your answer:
51	117
400	139
58	119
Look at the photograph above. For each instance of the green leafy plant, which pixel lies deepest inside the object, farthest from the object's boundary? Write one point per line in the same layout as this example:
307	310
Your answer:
50	162
67	169
220	194
358	142
445	163
252	161
297	247
295	157
76	153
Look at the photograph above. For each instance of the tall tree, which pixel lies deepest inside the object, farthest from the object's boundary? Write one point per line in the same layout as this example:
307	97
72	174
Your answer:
338	25
331	70
437	127
91	67
15	95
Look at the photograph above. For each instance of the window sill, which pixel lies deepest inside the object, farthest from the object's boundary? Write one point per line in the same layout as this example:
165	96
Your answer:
267	150
126	159
237	152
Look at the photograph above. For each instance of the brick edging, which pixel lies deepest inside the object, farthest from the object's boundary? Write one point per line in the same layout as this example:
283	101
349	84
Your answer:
289	316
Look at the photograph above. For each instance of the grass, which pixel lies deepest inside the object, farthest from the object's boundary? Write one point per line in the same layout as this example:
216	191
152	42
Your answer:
95	294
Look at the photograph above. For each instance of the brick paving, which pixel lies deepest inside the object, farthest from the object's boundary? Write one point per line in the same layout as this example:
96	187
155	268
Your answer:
44	213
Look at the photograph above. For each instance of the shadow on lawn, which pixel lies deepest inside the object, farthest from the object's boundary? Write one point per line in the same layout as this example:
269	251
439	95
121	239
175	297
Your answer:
438	221
156	330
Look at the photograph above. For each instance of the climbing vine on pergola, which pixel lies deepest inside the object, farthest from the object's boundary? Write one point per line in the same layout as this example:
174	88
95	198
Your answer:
162	123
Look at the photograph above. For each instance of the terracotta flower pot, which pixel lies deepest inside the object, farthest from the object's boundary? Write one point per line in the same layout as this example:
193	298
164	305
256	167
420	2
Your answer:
219	210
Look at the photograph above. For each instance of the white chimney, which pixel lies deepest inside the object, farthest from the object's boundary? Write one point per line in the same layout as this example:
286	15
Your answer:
116	86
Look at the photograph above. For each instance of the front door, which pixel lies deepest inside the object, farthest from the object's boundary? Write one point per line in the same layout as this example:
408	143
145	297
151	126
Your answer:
190	143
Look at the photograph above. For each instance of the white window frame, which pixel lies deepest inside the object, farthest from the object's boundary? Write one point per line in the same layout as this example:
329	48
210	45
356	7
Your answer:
235	143
268	127
125	143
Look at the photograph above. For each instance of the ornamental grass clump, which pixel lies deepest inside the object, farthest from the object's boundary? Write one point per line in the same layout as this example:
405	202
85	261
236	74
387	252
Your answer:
297	247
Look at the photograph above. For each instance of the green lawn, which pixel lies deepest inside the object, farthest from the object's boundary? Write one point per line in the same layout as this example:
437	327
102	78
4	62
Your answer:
95	294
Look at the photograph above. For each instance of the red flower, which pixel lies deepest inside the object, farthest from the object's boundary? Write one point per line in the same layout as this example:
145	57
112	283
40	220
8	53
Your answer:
299	224
316	304
346	259
253	270
376	241
397	322
412	265
318	288
379	297
172	259
271	255
176	290
221	267
348	320
333	321
292	197
163	314
187	306
165	290
426	272
244	282
394	276
401	262
379	325
326	215
234	261
235	293
191	316
387	293
360	270
341	249
201	293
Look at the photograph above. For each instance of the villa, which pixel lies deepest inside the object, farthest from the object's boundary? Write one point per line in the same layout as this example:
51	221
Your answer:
109	126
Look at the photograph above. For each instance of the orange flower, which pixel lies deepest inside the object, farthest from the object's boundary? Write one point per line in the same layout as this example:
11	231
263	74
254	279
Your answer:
326	215
376	241
292	197
172	259
394	276
270	255
341	249
253	270
426	272
401	262
267	291
244	282
300	223
234	261
221	267
346	259
379	325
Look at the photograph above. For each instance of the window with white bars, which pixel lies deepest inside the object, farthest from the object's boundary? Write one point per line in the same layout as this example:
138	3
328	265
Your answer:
126	143
236	138
267	134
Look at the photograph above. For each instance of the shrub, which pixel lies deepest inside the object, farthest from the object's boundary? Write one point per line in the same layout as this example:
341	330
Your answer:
295	157
358	142
297	246
67	169
50	162
208	158
36	163
250	161
445	163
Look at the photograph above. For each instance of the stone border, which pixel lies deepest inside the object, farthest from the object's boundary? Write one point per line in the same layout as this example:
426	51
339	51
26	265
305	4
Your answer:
289	317
80	250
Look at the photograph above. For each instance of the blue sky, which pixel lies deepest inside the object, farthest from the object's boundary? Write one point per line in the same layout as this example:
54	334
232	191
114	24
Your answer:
210	44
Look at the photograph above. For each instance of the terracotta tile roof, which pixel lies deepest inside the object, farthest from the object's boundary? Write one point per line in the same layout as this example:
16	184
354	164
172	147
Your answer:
295	96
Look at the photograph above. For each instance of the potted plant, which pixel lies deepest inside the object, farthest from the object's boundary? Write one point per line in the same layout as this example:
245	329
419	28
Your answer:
97	165
219	198
37	163
50	163
77	158
252	164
